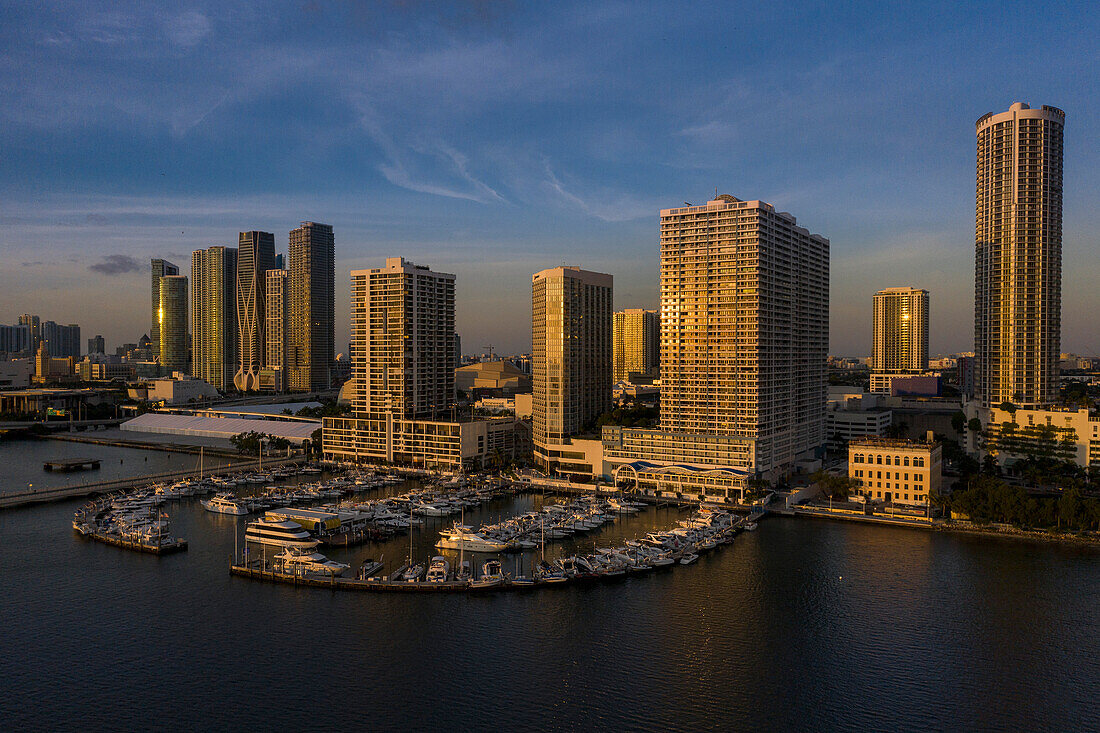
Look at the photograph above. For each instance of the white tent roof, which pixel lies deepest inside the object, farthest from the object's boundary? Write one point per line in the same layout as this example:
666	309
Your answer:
219	427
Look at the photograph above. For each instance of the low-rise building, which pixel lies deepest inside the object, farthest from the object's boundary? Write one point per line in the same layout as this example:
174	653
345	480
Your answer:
852	413
895	471
452	445
180	390
1070	434
16	374
495	378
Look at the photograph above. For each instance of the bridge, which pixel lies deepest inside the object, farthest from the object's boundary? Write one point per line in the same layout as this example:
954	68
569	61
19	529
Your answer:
60	424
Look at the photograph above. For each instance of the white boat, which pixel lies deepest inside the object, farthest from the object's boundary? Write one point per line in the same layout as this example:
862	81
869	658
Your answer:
223	504
462	538
298	562
491	575
689	558
750	526
438	570
279	534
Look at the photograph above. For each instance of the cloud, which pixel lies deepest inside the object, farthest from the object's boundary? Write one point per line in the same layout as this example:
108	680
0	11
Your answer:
621	208
95	219
116	265
32	264
188	29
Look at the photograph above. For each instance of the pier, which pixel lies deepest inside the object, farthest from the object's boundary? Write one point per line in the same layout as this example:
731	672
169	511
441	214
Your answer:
72	464
39	496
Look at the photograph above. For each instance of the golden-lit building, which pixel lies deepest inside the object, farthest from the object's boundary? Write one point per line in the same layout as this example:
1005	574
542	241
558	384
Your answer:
160	268
255	256
214	315
636	344
895	471
899	344
173	331
1018	256
571	352
403	366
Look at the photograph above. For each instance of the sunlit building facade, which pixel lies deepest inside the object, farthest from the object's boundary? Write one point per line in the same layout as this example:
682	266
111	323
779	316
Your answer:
1018	256
172	331
899	335
255	256
160	268
214	315
636	343
571	350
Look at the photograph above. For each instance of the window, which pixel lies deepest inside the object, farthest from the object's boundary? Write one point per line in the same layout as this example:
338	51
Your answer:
907	460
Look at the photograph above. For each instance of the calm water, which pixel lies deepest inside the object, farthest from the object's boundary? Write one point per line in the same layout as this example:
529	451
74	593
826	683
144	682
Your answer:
804	625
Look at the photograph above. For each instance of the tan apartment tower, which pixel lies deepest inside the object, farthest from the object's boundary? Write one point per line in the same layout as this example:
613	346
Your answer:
899	333
312	307
255	256
277	321
172	329
160	268
403	331
571	353
744	328
1018	256
636	343
214	315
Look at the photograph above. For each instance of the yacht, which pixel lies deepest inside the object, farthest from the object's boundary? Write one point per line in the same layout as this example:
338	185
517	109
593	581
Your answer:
412	574
223	504
463	538
438	570
279	534
688	558
299	562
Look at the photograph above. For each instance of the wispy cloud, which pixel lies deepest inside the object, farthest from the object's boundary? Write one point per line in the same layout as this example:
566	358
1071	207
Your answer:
116	265
620	208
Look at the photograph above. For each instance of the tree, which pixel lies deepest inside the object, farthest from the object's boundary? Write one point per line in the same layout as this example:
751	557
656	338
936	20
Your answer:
958	422
974	425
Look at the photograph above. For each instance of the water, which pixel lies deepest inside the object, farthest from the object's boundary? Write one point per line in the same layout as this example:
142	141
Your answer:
21	463
803	624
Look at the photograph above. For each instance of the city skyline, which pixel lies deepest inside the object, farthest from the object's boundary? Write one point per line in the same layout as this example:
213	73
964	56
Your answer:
829	132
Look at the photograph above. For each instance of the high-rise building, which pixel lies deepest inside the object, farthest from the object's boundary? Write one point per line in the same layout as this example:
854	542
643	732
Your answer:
403	325
312	335
899	335
173	324
255	256
571	356
214	315
637	343
403	367
1018	256
16	341
744	342
34	324
160	268
61	341
276	317
96	345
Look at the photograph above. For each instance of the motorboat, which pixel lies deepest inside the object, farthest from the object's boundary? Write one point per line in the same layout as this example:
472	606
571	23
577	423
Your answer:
688	558
438	570
224	504
279	533
412	574
492	575
299	562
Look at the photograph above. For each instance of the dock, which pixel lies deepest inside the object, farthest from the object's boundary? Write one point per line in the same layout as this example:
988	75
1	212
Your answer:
72	464
254	571
167	548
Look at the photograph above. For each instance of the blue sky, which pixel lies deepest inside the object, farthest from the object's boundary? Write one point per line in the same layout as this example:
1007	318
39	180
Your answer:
493	139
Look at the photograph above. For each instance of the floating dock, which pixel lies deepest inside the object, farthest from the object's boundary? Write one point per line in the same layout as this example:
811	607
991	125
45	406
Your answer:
317	580
72	464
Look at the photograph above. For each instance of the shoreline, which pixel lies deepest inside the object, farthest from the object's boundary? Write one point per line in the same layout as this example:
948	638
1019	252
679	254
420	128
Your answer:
1021	534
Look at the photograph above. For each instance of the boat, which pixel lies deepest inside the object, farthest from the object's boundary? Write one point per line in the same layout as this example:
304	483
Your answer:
299	562
369	568
492	575
463	538
438	570
688	558
411	575
266	531
750	526
224	504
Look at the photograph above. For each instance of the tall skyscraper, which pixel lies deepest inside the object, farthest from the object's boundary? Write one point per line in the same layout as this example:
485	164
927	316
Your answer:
276	301
255	256
637	343
1018	256
744	343
571	356
61	341
403	326
173	324
899	335
160	268
96	345
35	325
214	333
312	335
